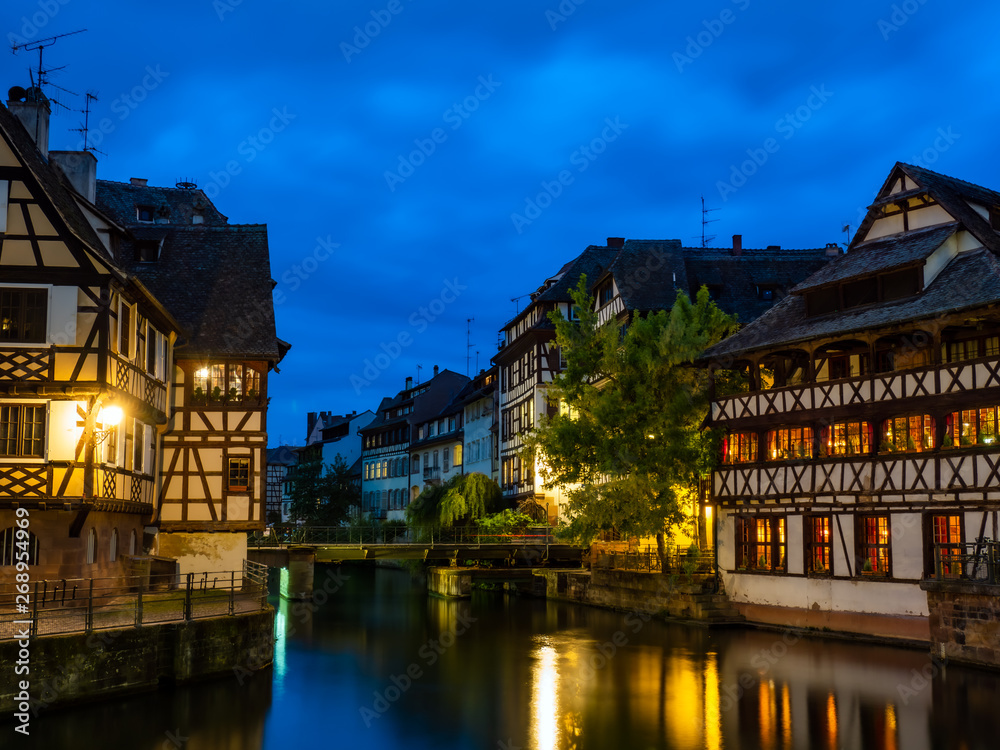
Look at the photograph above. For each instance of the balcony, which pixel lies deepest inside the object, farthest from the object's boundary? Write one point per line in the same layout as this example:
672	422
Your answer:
431	473
933	380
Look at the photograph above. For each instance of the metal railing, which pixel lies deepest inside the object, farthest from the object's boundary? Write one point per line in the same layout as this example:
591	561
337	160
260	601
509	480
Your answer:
82	605
371	535
976	562
678	560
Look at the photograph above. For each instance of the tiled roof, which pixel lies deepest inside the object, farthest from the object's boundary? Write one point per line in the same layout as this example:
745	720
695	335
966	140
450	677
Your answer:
648	274
176	206
216	280
283	455
214	277
592	262
881	255
969	281
55	185
953	196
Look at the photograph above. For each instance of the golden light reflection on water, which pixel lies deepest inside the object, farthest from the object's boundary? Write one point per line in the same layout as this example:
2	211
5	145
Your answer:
713	716
545	697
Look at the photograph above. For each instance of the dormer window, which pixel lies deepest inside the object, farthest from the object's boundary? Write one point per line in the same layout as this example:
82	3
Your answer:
145	213
147	251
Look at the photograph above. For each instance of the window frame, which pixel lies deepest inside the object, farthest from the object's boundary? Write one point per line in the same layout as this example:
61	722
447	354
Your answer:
243	466
811	545
18	438
863	547
762	537
24	314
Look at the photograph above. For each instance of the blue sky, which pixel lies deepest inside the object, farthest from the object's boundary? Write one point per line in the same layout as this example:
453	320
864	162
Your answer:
419	163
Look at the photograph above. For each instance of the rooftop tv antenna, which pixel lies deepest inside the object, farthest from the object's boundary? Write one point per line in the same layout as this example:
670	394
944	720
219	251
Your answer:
468	344
517	304
40	78
705	221
85	130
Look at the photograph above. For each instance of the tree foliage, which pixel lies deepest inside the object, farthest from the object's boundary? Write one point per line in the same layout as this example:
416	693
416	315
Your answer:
463	498
626	444
322	494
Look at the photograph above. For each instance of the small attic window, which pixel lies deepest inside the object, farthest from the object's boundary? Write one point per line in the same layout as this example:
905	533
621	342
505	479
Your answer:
765	293
147	251
144	213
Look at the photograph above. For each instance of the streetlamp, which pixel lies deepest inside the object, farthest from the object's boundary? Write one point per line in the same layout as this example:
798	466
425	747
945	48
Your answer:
109	416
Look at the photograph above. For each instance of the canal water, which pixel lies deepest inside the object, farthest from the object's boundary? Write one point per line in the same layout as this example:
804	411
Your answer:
379	664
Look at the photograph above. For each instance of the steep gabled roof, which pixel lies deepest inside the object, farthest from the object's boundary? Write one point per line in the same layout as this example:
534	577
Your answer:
175	206
971	280
882	255
216	280
648	274
214	277
952	194
55	186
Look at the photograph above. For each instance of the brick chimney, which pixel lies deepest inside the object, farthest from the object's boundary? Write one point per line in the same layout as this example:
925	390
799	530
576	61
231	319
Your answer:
435	370
310	422
832	248
616	242
737	245
32	109
138	181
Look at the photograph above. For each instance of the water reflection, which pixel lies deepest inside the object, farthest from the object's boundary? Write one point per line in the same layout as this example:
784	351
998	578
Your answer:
545	698
541	675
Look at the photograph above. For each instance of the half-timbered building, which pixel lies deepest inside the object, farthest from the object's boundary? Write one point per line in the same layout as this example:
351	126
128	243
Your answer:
215	277
137	336
626	278
85	353
868	429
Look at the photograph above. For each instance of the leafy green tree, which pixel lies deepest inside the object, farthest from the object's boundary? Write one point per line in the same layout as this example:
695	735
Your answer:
322	494
460	500
626	443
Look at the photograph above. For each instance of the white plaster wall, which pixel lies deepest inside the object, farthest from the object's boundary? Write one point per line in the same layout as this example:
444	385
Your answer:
204	552
865	596
928	217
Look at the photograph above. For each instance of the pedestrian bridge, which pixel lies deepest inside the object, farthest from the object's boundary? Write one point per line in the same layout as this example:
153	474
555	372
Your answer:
299	548
337	544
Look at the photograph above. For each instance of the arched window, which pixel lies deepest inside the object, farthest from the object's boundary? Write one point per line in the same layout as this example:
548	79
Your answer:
131	542
12	549
91	547
113	548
